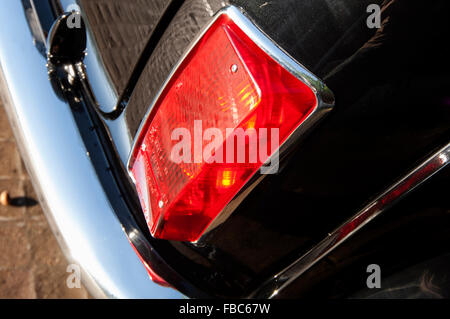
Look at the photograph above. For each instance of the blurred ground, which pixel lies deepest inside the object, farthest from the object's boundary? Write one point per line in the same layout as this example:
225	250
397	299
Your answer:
31	262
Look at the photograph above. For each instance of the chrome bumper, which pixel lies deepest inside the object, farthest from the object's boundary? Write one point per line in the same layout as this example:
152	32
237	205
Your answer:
71	195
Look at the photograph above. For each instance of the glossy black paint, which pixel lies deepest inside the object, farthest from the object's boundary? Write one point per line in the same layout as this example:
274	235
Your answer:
121	30
410	234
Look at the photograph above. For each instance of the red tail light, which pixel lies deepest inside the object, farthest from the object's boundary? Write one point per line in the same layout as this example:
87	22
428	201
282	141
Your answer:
225	83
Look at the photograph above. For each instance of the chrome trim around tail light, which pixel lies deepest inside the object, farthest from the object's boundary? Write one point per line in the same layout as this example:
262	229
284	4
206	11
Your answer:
411	181
324	97
323	93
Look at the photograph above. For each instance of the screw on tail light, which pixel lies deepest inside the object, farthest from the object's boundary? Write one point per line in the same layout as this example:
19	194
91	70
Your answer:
233	82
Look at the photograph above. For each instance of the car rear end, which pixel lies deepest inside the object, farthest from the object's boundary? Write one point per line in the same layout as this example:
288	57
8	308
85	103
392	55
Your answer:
362	115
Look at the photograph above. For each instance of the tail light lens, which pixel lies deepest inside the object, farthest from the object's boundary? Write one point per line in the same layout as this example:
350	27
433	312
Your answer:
225	84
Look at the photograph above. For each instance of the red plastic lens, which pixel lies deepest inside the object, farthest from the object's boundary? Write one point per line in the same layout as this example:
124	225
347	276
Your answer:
226	82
